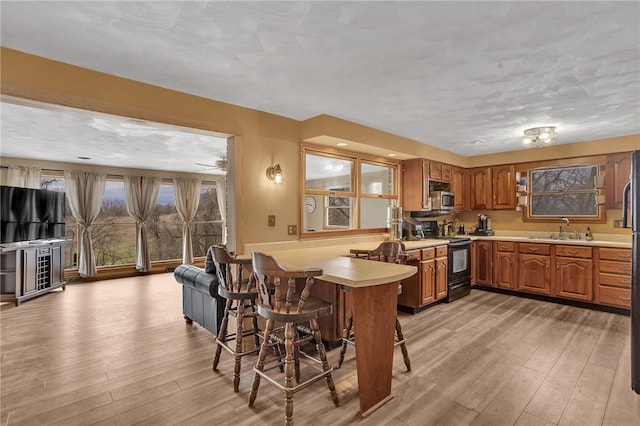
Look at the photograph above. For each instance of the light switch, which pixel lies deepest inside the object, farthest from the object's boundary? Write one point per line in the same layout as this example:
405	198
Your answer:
272	220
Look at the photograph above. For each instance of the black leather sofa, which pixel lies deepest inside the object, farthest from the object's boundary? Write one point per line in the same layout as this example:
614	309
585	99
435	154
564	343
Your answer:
200	301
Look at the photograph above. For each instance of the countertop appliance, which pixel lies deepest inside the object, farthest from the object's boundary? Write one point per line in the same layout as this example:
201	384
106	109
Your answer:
484	226
442	200
412	229
633	189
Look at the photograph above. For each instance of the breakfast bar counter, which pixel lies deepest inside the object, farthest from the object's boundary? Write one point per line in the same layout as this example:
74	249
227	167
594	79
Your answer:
375	297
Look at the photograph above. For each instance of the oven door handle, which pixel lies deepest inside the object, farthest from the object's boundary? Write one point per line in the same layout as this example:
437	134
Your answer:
459	243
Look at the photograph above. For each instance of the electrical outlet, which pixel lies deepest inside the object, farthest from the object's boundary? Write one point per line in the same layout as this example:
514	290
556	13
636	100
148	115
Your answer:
272	220
292	230
617	223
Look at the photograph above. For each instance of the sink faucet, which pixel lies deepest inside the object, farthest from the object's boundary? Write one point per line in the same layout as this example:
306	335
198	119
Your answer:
562	221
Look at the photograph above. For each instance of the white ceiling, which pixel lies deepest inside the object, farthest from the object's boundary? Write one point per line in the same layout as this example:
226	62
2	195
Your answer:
440	73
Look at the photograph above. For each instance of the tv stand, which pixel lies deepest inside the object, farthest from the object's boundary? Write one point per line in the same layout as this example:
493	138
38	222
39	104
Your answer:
32	269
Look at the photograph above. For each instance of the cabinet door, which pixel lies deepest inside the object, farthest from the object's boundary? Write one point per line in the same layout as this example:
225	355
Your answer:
29	270
441	277
457	187
484	265
435	171
427	281
57	265
533	273
503	187
506	267
574	278
446	173
481	188
617	176
415	185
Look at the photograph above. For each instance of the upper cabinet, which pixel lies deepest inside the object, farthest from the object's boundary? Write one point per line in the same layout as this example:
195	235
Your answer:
415	185
503	187
617	175
459	181
481	188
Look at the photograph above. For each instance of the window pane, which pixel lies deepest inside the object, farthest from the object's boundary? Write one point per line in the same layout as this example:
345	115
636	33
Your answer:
563	179
71	247
114	242
339	212
164	237
373	212
570	204
205	235
377	179
208	209
328	173
51	183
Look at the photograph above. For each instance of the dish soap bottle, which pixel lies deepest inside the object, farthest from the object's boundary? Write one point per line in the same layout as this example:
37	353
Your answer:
588	236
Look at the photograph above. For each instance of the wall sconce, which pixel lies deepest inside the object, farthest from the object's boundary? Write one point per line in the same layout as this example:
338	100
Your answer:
274	173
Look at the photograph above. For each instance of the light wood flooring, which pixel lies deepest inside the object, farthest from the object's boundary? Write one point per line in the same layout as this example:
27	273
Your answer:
119	353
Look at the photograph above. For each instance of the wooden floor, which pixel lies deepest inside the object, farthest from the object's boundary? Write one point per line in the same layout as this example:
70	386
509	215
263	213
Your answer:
119	353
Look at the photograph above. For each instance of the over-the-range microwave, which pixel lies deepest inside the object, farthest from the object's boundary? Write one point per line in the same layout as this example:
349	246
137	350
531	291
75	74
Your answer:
442	200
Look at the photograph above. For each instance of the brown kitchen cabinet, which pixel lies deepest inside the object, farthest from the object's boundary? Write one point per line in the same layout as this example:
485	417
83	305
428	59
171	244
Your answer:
415	181
481	197
474	263
503	187
612	276
506	265
430	283
435	171
332	326
618	170
484	263
574	272
534	268
458	188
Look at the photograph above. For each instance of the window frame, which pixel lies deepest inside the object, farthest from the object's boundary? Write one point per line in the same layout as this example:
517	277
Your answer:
356	192
600	216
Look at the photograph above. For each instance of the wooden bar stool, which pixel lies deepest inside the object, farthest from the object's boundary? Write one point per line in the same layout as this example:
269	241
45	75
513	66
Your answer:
240	293
387	251
280	300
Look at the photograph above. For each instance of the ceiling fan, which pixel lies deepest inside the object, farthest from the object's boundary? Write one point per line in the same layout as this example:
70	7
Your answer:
220	164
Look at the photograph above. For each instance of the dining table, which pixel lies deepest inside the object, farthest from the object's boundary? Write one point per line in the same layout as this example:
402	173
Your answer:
374	286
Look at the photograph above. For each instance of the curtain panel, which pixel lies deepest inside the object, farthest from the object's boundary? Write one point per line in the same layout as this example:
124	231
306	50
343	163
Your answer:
24	177
187	194
221	193
141	196
84	194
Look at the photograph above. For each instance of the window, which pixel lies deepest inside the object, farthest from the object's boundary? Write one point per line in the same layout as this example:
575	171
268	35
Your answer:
57	183
164	227
207	226
113	233
346	191
563	192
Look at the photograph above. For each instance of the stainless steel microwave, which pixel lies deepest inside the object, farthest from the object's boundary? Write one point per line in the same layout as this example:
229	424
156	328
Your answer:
442	200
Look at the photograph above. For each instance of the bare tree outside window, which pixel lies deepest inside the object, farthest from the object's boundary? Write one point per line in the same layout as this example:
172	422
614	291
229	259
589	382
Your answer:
566	192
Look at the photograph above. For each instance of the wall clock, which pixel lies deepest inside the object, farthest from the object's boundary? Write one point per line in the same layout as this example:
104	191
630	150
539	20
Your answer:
310	205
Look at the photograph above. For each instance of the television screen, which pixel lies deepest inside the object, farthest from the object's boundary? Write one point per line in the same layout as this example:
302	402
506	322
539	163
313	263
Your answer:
31	214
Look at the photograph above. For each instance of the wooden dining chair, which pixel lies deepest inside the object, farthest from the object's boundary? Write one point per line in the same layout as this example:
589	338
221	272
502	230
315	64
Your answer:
387	251
281	300
241	294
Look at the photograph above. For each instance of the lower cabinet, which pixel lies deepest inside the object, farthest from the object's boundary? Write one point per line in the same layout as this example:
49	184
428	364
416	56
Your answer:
574	273
506	265
534	268
430	283
484	267
613	277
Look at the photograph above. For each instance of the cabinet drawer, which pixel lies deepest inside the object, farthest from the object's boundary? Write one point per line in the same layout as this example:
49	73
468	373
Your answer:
505	246
615	296
428	253
441	251
529	248
412	255
622	268
615	254
614	280
573	251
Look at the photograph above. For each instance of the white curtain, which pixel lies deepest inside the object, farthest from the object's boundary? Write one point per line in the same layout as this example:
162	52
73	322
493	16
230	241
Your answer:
24	177
187	193
221	192
84	193
141	195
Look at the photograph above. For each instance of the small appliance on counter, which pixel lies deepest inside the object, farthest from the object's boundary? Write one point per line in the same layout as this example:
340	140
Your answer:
412	229
484	226
394	222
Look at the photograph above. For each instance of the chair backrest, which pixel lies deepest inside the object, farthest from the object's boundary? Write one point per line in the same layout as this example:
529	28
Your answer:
270	275
388	251
224	262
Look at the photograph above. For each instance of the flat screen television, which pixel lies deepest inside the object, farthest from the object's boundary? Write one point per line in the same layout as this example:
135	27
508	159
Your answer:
31	214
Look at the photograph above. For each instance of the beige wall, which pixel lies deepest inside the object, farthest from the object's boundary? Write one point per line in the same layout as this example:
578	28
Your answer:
264	139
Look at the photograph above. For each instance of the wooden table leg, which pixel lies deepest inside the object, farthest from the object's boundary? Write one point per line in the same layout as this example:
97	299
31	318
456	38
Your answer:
374	319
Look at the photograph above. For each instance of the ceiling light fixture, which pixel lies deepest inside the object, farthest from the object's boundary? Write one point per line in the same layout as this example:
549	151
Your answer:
342	144
540	136
391	155
274	173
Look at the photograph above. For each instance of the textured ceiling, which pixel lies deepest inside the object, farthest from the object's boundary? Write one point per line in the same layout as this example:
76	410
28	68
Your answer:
441	73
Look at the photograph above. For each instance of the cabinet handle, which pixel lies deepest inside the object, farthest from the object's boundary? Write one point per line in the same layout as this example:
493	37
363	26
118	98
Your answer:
625	298
573	252
547	265
533	249
558	268
625	256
